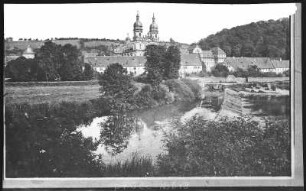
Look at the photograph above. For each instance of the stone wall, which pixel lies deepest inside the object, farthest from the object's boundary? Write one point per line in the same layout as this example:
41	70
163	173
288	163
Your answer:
232	101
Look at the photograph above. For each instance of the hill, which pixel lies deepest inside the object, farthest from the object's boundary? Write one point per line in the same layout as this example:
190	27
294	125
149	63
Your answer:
260	39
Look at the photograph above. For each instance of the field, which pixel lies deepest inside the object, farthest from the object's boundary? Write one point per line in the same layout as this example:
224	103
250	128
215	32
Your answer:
36	93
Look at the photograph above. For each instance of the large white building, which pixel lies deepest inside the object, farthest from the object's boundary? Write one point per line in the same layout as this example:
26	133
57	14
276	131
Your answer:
135	65
209	57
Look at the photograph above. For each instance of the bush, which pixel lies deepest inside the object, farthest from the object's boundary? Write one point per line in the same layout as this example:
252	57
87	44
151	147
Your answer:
144	99
226	147
181	91
220	71
194	86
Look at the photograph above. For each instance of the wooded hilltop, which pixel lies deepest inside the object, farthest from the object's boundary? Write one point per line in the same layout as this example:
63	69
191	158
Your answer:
260	39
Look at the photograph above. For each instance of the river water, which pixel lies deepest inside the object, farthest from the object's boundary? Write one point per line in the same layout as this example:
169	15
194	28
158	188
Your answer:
142	132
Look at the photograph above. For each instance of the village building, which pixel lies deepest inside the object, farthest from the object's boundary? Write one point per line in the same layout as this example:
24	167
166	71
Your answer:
264	64
219	54
209	57
190	64
135	65
29	53
281	65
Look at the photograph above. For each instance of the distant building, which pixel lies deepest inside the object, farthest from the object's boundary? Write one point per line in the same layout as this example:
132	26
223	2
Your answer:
190	63
281	65
219	54
28	53
133	64
10	58
209	57
9	39
264	64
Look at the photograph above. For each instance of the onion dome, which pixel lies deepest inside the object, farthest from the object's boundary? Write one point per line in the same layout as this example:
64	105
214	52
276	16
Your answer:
137	24
153	26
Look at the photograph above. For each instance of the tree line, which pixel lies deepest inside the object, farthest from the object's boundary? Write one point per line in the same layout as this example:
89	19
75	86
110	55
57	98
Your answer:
52	62
260	39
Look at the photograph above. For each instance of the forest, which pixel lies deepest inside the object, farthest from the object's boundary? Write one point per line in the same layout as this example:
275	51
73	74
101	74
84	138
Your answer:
257	39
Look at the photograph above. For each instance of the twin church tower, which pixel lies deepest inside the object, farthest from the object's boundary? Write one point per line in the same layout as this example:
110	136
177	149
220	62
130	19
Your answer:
152	34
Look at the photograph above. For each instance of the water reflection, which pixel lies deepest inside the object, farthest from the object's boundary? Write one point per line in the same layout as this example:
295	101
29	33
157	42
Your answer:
140	132
269	105
116	131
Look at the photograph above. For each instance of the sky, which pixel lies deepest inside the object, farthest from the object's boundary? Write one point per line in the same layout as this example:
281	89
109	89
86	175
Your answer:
185	23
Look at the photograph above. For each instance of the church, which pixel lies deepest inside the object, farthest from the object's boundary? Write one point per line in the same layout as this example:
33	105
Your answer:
137	46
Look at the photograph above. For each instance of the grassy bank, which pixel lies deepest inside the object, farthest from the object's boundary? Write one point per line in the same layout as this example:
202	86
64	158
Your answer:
36	94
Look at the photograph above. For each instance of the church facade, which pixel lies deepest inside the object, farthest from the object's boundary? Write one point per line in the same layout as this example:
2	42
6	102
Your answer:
137	45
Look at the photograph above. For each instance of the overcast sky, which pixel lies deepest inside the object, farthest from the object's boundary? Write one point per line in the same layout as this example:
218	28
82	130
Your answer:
186	23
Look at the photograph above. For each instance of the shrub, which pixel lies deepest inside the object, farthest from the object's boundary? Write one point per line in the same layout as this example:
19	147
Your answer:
194	86
144	98
181	91
220	71
236	147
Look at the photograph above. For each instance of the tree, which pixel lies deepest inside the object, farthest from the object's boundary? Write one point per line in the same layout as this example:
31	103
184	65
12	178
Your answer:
260	39
116	88
155	66
22	70
220	71
253	71
59	62
172	63
43	141
88	72
71	66
49	58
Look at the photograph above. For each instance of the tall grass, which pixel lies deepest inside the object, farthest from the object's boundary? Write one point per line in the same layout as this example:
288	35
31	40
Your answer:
137	166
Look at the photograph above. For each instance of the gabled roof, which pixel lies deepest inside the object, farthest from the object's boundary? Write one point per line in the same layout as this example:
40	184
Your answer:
281	63
11	57
190	60
125	61
217	51
29	50
207	54
245	62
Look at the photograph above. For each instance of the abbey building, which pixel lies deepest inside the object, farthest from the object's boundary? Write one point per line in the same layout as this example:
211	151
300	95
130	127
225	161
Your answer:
137	46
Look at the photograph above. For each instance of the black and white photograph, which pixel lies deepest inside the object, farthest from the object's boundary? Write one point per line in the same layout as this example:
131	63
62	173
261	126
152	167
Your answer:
152	94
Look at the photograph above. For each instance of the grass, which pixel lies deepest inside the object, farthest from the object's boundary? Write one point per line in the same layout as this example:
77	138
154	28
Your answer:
50	94
137	166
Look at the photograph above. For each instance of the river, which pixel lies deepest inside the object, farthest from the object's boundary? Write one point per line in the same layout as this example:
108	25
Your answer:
143	132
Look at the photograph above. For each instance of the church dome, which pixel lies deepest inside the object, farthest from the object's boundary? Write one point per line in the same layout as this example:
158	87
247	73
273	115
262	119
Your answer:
137	24
153	26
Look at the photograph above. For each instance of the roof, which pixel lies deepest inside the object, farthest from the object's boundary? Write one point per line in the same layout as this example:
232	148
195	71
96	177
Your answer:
125	61
190	60
11	57
207	54
137	61
29	50
260	62
281	63
217	51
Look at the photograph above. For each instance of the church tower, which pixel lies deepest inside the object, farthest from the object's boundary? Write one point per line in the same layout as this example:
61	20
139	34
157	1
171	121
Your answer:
153	32
137	29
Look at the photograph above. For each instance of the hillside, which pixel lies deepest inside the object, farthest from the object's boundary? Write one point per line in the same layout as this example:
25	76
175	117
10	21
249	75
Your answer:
260	39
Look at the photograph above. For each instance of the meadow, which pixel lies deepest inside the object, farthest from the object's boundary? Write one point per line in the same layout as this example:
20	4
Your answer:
55	92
